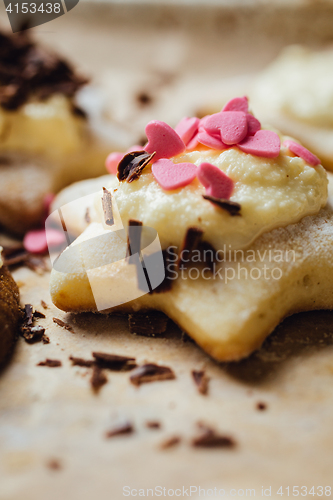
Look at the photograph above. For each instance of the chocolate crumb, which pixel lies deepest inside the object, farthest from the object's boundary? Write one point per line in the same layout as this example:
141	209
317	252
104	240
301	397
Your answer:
54	464
51	363
148	324
153	424
261	406
230	206
81	362
114	362
125	428
132	165
44	304
151	373
211	439
45	339
191	242
170	442
28	311
144	99
98	378
32	334
107	207
38	314
201	380
87	217
61	323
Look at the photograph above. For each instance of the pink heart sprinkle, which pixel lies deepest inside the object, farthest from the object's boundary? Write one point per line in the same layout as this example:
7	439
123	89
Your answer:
171	175
263	143
232	125
164	140
112	161
237	104
216	182
302	152
38	242
187	128
193	143
253	125
211	141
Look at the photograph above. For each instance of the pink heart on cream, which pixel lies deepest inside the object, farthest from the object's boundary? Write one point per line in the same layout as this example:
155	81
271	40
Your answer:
231	125
263	143
237	104
216	182
164	140
171	175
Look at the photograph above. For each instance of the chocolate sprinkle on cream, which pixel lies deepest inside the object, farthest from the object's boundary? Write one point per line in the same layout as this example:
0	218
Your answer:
132	165
148	324
230	206
114	362
98	378
107	207
28	71
201	380
151	373
51	363
125	428
211	439
61	323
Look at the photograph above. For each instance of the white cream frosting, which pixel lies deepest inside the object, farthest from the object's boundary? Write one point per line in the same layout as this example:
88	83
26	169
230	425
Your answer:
272	193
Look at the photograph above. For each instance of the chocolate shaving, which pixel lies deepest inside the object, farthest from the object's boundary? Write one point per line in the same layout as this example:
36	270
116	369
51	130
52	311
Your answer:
230	206
33	334
38	314
151	373
166	284
81	362
261	406
114	362
201	380
170	442
28	312
132	165
148	324
98	378
51	363
28	71
61	323
211	439
107	207
44	304
153	424
54	464
133	238
125	428
191	242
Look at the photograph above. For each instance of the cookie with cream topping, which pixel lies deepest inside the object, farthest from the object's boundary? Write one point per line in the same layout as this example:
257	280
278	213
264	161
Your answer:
49	137
258	209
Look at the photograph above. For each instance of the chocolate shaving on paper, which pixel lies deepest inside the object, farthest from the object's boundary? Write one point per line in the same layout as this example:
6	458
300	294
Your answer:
61	323
125	428
230	206
38	314
153	424
211	439
29	71
201	380
170	442
148	324
98	378
261	406
191	242
81	362
132	165
51	363
44	304
114	362
34	334
151	373
29	315
107	207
